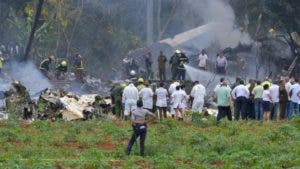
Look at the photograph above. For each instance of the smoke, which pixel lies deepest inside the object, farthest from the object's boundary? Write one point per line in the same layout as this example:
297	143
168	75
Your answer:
28	74
221	16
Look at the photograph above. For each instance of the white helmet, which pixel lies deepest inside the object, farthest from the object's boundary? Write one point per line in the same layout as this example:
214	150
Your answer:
132	73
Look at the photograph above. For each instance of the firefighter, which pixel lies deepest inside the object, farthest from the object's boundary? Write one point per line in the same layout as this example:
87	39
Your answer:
61	69
45	65
79	67
174	61
181	69
140	85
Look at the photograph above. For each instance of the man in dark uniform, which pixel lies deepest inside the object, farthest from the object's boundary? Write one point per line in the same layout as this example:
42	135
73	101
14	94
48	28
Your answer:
162	59
174	63
181	69
45	65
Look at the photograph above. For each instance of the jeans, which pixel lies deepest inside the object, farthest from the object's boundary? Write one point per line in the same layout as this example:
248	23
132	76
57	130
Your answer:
274	111
240	108
294	109
181	74
224	111
250	109
139	130
258	109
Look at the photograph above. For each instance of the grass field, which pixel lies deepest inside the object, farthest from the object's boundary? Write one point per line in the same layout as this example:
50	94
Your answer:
169	144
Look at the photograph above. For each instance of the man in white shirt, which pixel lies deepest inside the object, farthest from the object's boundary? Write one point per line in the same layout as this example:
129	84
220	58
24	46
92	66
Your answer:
198	93
294	90
274	92
172	89
161	101
202	60
240	94
129	97
221	63
147	96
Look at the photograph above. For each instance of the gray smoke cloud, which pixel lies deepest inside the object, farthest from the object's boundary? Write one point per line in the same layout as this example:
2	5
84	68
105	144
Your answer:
221	16
28	74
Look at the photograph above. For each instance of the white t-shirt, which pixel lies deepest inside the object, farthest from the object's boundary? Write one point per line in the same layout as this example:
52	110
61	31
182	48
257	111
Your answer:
198	92
178	98
274	91
295	88
265	96
147	97
240	91
202	60
161	94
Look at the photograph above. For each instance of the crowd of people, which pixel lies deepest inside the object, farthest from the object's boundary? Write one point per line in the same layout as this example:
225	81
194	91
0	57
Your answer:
268	100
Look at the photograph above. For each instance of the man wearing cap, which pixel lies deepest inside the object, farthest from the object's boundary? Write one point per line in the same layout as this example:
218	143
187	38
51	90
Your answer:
61	69
174	62
45	65
181	66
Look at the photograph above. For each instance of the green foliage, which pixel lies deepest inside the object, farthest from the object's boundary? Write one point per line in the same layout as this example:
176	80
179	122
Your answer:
169	144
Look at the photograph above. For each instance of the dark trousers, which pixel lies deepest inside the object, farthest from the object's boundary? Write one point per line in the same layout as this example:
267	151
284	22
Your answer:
138	131
162	74
283	110
250	109
181	74
240	108
221	70
224	111
162	112
174	72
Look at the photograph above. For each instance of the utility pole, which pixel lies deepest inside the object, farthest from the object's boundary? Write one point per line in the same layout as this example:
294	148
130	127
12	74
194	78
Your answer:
35	24
149	22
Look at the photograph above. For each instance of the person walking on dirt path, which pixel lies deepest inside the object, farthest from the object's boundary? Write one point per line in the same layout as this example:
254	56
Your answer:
162	59
139	126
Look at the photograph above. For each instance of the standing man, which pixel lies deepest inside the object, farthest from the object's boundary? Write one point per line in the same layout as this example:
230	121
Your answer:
147	96
45	65
161	101
162	59
172	89
221	63
139	126
79	67
198	93
294	90
274	92
202	58
174	61
258	92
223	100
240	94
148	63
129	97
181	69
283	100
